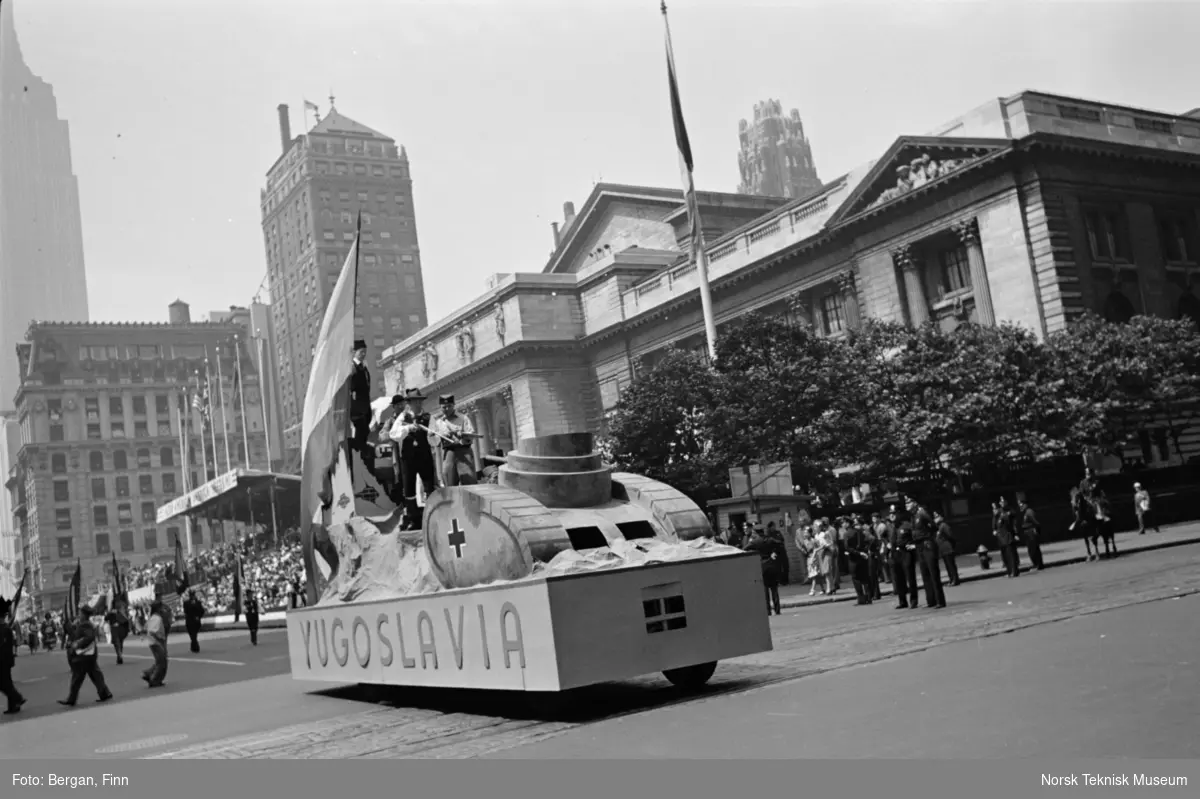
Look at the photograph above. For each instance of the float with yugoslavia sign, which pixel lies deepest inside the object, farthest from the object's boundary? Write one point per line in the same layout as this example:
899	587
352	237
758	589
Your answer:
561	575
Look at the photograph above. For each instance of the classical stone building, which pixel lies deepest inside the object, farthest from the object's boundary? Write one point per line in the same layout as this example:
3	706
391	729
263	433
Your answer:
774	157
1030	209
99	409
315	192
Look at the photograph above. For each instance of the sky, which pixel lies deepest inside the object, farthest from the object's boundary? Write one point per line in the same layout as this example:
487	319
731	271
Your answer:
509	109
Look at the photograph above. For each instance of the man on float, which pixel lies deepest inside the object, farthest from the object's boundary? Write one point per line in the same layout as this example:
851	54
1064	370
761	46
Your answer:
454	434
360	406
410	432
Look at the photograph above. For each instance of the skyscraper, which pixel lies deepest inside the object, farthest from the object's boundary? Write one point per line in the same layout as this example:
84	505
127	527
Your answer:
774	158
41	240
314	194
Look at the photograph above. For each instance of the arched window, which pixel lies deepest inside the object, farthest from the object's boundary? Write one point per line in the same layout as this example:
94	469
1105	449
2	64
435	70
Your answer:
1118	308
96	461
1189	308
120	460
167	456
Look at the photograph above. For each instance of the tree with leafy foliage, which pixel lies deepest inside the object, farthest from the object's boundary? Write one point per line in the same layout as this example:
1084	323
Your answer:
1120	377
660	427
784	395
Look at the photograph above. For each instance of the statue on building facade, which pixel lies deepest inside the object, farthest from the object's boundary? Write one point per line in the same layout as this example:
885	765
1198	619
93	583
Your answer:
429	359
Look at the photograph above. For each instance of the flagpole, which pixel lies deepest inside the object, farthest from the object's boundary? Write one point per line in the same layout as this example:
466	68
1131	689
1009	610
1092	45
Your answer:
212	425
698	254
237	351
183	464
260	370
224	422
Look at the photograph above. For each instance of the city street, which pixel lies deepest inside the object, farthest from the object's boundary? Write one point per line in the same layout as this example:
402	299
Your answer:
1012	667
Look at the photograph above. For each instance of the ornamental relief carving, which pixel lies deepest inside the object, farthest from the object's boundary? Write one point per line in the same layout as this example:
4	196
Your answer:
918	172
429	360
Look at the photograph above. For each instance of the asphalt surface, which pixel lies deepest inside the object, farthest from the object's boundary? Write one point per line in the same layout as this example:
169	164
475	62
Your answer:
241	714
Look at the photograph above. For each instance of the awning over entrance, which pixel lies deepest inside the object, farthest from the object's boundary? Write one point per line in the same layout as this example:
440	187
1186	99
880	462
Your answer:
243	495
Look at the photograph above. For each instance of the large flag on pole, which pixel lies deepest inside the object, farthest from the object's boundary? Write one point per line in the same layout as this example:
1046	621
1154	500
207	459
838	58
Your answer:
180	568
16	600
239	583
119	589
71	606
697	253
326	425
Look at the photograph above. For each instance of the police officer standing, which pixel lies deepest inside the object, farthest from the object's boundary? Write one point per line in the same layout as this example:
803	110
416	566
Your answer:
946	544
360	406
858	553
925	540
1006	534
251	606
904	563
1031	531
410	431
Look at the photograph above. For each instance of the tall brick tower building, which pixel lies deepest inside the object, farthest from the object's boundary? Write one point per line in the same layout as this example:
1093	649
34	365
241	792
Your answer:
775	159
313	195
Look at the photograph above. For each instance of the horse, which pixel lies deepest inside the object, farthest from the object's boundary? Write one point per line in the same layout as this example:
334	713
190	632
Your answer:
1104	524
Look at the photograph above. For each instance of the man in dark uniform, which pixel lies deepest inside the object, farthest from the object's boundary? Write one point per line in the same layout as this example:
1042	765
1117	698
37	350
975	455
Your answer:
84	660
360	406
904	563
251	606
1006	535
858	553
946	544
925	539
416	454
193	612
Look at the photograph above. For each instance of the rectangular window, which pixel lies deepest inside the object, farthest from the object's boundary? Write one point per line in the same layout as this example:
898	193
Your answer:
122	486
98	488
1177	235
57	433
102	545
145	484
127	541
162	405
139	406
832	313
197	537
91	408
62	491
168	481
955	270
149	512
1108	235
58	463
117	430
62	518
141	430
125	513
150	538
115	406
66	548
99	516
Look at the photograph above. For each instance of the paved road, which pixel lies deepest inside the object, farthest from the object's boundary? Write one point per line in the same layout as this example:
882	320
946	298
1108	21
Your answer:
273	717
223	658
1119	684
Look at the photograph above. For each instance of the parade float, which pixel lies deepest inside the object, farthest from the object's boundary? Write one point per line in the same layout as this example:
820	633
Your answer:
561	574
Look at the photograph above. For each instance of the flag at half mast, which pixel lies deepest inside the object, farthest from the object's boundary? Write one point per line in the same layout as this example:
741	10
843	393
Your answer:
326	425
697	253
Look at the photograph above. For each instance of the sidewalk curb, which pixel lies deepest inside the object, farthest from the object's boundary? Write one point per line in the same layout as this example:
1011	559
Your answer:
990	575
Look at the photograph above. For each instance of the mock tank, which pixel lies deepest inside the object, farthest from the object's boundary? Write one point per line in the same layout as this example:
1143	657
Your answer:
554	494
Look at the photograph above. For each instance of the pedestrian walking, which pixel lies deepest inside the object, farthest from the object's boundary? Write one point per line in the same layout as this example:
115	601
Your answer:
904	563
251	605
946	544
84	656
1031	532
925	539
8	659
157	627
193	612
1141	506
1006	535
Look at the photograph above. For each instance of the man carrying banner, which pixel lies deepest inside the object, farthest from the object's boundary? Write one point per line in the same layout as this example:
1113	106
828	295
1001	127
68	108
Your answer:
193	612
8	658
118	613
454	434
411	432
360	406
84	657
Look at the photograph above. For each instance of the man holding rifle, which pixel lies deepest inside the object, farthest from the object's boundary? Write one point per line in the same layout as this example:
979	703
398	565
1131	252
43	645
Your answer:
454	435
411	432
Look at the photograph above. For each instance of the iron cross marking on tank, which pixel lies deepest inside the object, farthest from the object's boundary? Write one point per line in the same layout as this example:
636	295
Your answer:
458	538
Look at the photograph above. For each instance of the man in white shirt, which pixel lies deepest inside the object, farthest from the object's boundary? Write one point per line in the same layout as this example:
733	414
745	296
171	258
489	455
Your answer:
156	631
455	434
1141	506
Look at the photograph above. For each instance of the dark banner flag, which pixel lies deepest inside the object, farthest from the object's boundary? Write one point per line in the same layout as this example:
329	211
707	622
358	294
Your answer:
238	584
71	607
16	600
326	422
119	589
180	567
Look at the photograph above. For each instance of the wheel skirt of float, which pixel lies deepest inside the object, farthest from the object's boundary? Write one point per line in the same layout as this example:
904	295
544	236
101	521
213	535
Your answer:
540	634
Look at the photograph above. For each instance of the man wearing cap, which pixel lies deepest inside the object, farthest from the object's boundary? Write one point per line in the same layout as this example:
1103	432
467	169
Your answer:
1141	506
925	539
410	432
8	659
360	406
454	438
85	664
